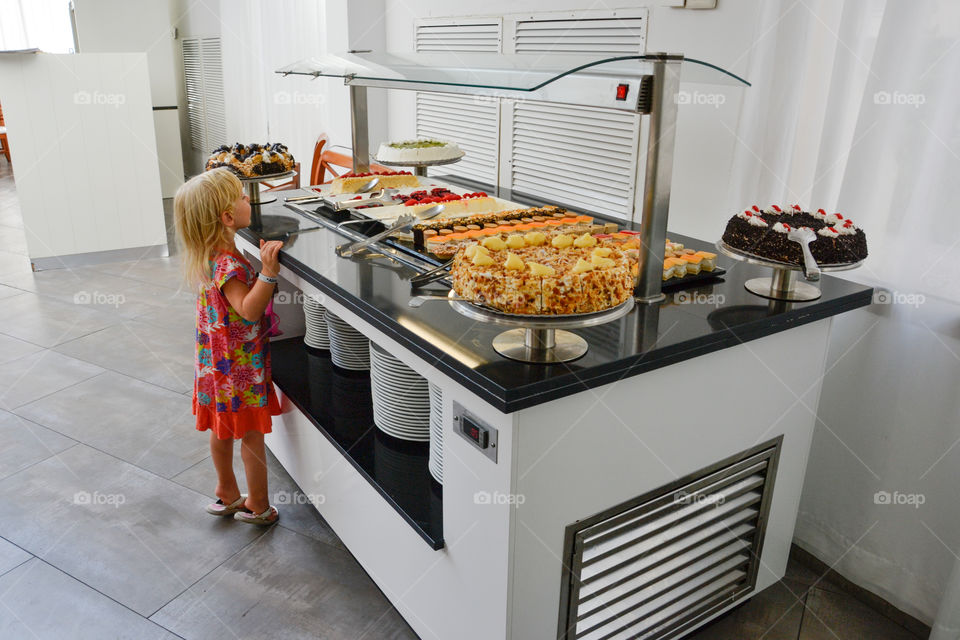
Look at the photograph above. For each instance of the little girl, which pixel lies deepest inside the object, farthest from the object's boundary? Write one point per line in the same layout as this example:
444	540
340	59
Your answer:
233	392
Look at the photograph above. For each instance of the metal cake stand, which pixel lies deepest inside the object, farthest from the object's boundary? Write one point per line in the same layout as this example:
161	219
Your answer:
420	166
784	284
267	225
539	339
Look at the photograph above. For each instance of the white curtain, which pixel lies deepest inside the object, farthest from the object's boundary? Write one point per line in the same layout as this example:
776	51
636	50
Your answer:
36	24
856	108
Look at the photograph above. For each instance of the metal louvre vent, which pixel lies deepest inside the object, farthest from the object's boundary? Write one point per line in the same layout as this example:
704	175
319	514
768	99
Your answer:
577	155
654	567
203	78
458	36
471	122
613	36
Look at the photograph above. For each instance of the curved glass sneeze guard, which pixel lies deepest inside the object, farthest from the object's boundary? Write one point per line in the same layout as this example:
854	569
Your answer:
526	73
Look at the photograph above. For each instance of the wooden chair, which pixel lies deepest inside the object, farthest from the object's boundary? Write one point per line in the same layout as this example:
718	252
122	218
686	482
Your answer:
3	138
324	161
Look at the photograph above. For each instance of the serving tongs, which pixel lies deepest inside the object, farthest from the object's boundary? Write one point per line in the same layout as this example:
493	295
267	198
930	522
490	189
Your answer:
403	223
437	273
804	236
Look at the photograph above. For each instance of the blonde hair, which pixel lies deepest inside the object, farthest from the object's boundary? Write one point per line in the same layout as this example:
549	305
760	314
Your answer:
196	213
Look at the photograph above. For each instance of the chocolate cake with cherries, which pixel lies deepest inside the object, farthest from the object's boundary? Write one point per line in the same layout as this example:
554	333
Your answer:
763	233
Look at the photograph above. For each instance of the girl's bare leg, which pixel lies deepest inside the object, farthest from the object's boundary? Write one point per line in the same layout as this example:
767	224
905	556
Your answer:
222	453
255	467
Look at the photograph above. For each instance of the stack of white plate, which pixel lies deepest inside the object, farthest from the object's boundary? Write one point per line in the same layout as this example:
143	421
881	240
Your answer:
315	316
436	433
401	399
349	349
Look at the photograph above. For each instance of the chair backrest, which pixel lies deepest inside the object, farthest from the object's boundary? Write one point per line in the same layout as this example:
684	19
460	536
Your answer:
325	160
2	123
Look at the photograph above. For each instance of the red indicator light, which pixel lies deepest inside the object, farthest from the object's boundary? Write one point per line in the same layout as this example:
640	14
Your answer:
622	91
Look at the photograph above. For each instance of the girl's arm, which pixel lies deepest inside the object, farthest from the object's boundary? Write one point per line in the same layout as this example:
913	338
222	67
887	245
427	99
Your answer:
250	302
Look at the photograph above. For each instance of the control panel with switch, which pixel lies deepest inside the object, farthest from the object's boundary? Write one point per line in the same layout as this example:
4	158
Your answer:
480	435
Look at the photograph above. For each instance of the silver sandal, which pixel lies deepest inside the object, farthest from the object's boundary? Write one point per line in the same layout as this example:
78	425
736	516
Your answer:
219	509
270	516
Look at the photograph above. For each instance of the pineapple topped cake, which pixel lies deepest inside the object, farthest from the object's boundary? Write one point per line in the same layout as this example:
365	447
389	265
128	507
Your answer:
534	274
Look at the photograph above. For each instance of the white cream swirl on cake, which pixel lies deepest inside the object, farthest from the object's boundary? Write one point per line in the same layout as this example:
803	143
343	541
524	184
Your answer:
420	150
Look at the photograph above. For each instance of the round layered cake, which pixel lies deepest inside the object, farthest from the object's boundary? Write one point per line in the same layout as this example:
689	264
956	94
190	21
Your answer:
526	274
763	233
421	150
252	160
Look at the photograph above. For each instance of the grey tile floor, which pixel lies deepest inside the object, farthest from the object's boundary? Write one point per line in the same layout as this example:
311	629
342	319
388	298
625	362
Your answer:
103	482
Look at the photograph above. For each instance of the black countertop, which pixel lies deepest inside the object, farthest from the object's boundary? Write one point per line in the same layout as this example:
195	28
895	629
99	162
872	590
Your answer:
689	323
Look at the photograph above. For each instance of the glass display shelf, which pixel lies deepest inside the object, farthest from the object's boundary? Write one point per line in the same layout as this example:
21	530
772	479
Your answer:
498	72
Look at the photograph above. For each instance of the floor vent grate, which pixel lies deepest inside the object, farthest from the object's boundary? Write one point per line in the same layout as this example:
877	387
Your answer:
655	566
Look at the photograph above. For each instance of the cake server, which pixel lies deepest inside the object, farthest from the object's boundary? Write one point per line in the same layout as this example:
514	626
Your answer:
365	188
384	196
804	236
403	222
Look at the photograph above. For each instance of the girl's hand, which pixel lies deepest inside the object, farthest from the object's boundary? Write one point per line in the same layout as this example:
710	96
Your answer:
269	257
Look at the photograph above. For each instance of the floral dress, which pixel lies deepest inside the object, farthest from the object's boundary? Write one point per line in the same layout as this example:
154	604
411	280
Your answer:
233	390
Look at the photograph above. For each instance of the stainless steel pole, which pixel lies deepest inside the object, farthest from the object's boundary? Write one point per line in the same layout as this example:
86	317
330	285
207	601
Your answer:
659	173
360	133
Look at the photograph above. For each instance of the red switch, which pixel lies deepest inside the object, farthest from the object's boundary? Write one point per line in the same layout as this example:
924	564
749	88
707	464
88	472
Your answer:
622	91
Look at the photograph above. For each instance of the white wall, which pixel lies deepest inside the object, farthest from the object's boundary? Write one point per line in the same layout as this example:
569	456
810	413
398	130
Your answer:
192	19
84	119
295	110
705	139
120	26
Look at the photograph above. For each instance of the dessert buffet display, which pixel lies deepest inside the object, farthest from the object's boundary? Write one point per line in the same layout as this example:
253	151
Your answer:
567	276
421	151
252	160
789	239
351	182
763	233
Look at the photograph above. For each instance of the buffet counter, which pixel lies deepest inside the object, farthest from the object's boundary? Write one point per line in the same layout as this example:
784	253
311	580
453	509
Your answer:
684	431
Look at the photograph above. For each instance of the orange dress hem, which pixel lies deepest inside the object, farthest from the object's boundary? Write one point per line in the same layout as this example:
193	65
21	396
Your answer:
236	424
